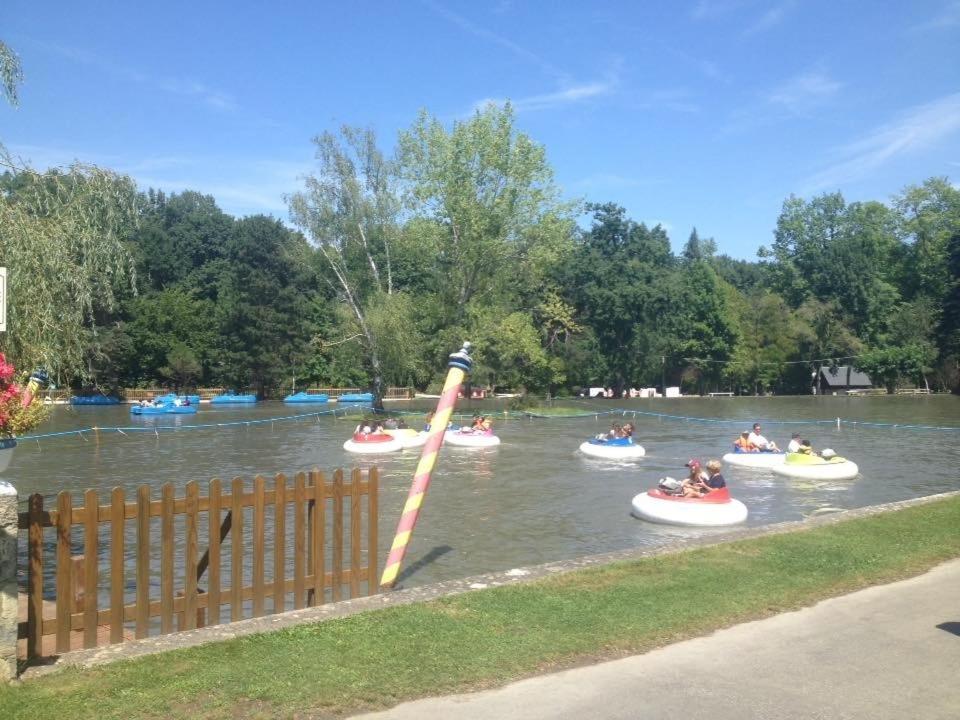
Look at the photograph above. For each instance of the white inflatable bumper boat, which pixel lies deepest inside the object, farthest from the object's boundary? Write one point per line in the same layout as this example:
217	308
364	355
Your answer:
814	467
471	438
715	509
756	460
372	443
614	449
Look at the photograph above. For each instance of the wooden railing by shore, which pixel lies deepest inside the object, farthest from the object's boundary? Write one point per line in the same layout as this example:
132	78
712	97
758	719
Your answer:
137	595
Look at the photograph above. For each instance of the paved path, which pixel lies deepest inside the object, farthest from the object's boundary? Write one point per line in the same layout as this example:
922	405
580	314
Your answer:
890	652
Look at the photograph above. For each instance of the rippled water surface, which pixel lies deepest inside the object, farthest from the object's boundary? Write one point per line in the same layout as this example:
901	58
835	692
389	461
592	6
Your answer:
534	498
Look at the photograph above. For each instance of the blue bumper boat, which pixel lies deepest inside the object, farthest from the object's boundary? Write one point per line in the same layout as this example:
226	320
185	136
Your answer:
233	399
94	400
303	397
356	397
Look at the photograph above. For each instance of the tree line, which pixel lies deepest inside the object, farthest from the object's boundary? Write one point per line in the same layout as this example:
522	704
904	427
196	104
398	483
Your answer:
462	233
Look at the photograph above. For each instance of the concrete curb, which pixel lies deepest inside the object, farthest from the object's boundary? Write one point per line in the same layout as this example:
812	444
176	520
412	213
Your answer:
148	646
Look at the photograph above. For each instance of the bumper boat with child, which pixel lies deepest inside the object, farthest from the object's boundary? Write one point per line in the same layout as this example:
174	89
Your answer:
825	466
408	437
157	408
714	509
621	448
465	437
372	443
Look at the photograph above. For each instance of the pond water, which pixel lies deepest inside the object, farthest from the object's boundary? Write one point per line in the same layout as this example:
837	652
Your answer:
534	498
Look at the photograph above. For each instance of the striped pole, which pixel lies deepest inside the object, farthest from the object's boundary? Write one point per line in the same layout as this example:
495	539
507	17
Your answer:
459	364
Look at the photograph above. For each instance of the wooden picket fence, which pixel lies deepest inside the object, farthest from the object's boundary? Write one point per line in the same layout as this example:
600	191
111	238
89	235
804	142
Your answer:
116	586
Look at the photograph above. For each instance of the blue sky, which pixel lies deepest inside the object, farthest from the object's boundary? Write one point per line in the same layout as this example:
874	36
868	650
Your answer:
706	113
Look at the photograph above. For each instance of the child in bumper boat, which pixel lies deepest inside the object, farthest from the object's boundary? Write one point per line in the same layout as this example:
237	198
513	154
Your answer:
700	487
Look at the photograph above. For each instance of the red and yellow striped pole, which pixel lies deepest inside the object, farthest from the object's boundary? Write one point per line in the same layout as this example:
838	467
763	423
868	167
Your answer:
459	364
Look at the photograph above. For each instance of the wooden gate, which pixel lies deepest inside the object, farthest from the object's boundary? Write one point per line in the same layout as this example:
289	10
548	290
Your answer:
142	569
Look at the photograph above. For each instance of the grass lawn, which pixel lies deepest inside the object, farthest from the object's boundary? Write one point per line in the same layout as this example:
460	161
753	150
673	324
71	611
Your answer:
493	636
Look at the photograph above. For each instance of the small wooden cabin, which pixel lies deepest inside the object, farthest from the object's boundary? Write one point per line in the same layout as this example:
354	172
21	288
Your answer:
843	379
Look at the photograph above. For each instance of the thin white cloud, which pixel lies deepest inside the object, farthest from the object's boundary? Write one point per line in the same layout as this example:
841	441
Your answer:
676	99
919	128
549	101
192	89
183	87
804	92
770	19
948	17
497	39
712	9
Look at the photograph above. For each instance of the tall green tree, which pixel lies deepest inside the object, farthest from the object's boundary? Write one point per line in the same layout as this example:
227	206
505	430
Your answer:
890	365
839	253
695	325
265	316
62	239
179	236
160	320
948	329
182	366
698	248
929	217
489	191
823	336
618	282
766	334
349	210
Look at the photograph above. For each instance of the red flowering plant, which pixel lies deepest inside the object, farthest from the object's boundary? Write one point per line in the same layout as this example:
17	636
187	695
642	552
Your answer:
20	408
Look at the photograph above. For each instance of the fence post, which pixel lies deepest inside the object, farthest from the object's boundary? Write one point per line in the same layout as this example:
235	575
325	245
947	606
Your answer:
8	581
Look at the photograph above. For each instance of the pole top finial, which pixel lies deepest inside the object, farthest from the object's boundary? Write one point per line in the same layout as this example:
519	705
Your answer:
461	359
